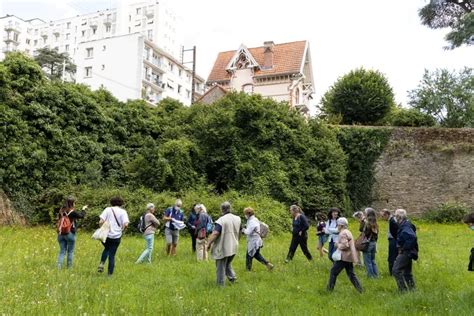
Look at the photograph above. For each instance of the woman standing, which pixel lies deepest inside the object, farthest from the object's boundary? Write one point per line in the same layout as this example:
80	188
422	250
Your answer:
67	228
191	227
254	241
331	229
360	217
300	233
118	221
344	244
151	225
371	231
202	222
321	219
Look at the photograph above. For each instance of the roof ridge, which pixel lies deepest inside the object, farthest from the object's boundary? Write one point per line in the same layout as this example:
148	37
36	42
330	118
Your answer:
234	50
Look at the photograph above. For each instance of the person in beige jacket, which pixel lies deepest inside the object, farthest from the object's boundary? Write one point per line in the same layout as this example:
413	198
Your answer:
224	243
348	256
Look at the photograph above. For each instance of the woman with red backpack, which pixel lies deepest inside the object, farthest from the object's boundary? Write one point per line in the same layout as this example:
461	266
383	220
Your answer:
203	226
67	228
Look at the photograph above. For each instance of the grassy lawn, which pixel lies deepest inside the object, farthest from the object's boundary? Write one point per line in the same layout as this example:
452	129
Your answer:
30	283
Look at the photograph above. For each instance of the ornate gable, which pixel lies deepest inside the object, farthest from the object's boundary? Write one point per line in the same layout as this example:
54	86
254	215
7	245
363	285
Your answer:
242	59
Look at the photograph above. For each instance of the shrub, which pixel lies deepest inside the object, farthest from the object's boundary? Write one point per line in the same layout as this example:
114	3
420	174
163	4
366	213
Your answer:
409	117
272	212
450	212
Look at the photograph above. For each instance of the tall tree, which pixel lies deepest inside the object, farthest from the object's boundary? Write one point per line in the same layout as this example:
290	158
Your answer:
455	14
447	96
359	97
52	62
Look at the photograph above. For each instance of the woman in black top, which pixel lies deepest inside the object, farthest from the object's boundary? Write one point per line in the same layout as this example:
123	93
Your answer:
300	233
371	231
67	237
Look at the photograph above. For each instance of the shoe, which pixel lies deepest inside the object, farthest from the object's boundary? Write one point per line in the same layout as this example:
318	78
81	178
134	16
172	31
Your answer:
270	266
287	260
100	269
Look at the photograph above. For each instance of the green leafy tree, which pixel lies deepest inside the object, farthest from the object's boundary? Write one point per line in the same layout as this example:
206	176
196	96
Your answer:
359	97
446	96
54	62
457	15
409	117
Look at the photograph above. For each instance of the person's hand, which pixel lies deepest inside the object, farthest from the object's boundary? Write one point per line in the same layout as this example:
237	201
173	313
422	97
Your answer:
300	233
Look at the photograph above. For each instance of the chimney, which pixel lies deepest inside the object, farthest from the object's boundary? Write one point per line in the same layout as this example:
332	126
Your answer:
268	55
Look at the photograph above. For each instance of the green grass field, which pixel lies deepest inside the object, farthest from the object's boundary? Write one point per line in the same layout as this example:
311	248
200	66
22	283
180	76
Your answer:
31	285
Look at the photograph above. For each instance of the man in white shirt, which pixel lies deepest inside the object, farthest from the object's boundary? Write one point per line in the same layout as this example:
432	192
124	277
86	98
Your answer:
118	221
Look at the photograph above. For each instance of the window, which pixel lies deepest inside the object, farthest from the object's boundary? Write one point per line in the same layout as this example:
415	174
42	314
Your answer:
188	94
35	42
15	37
297	96
108	28
104	48
129	30
90	52
94	30
180	72
103	67
171	67
139	11
179	89
56	37
66	48
68	25
129	18
88	72
28	42
68	35
150	34
247	88
83	33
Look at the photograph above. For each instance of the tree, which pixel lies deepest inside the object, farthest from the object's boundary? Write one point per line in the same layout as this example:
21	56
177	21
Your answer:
362	96
409	117
52	62
455	14
448	97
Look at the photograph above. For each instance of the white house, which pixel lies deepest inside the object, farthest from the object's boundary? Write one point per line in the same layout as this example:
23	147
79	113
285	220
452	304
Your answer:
282	72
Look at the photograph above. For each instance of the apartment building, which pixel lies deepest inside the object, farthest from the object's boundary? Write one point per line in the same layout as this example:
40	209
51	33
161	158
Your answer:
108	47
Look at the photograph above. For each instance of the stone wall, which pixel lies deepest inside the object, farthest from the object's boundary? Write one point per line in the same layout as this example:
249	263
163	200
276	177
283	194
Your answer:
7	215
421	168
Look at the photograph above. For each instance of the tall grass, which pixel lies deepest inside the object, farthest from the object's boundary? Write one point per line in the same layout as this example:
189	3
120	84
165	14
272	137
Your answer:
31	284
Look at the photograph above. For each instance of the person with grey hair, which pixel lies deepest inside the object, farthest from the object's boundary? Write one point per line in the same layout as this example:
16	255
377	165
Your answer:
174	218
407	245
224	243
345	245
203	222
151	225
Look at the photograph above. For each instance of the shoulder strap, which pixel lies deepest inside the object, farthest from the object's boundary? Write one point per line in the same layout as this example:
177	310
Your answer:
116	217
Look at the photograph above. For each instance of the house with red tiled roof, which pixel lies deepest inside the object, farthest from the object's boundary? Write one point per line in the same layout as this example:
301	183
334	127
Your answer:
282	72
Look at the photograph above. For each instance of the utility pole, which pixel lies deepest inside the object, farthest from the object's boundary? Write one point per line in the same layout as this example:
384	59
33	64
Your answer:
193	80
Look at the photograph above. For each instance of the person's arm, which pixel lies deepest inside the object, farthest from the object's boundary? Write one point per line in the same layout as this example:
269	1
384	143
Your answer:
155	222
331	230
103	217
126	221
167	215
343	242
393	227
215	233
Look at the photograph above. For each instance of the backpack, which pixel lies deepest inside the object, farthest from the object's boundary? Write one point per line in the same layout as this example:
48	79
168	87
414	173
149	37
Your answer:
64	223
210	225
141	224
264	230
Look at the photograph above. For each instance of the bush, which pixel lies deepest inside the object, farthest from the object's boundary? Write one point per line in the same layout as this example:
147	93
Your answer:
409	117
271	212
450	212
360	97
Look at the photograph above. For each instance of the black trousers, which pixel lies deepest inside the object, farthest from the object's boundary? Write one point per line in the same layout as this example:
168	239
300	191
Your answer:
110	249
402	272
301	241
337	268
471	261
392	253
192	232
257	256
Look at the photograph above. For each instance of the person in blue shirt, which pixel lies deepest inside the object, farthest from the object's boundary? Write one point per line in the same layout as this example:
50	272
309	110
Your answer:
190	223
407	245
469	221
300	233
174	218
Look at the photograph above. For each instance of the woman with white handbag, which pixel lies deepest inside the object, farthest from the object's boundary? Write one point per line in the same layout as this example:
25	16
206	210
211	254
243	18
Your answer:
344	257
117	219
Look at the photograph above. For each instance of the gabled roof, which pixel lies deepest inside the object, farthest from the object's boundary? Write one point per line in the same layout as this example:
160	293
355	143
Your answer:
287	59
211	90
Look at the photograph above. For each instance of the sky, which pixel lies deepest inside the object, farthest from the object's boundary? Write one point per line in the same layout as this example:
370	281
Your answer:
383	35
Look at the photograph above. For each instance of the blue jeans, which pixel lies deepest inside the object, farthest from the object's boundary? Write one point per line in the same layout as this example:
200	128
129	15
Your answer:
146	254
110	249
332	248
66	244
369	260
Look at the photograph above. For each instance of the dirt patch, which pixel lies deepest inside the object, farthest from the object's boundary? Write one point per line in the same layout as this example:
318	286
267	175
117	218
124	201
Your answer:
7	215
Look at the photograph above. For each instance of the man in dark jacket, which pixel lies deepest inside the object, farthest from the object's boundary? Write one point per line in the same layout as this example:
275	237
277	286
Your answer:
407	246
392	237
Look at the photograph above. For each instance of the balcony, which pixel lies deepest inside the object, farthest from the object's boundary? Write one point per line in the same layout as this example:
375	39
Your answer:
108	21
149	12
11	39
155	64
93	23
13	26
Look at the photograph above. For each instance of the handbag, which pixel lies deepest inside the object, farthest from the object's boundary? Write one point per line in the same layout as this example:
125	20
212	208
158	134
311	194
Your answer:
337	255
362	243
102	232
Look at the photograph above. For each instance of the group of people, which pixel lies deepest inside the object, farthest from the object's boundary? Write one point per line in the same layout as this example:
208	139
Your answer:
221	238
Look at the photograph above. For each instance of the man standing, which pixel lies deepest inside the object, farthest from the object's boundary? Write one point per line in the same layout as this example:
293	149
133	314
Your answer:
224	242
407	245
173	217
392	237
